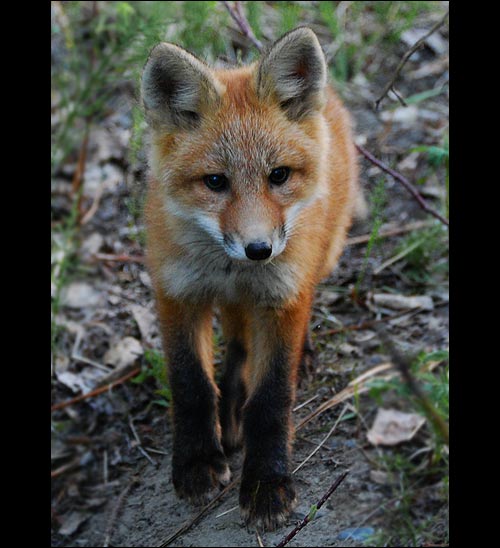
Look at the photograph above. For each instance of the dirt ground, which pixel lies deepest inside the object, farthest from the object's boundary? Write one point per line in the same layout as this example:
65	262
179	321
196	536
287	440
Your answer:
111	453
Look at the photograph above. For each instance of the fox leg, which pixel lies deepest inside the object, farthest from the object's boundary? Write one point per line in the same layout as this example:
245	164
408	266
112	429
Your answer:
267	493
232	384
198	461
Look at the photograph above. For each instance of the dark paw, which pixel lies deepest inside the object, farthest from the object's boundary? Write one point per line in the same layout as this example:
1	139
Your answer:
199	479
267	504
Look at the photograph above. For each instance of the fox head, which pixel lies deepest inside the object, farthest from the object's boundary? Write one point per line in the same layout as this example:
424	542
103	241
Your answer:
240	152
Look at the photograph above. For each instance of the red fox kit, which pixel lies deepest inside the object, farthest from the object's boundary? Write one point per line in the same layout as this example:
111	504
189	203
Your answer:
253	184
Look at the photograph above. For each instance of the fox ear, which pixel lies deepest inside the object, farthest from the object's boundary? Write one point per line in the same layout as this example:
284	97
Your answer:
176	88
293	71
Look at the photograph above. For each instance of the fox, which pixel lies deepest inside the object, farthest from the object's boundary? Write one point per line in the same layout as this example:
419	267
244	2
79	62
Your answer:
253	185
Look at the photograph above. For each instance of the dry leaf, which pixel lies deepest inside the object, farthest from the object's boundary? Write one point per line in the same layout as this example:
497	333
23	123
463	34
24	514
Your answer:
124	353
391	427
80	295
71	522
403	302
145	320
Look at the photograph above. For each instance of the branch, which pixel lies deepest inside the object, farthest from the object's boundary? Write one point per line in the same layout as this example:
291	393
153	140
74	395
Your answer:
239	17
97	391
406	56
285	540
404	181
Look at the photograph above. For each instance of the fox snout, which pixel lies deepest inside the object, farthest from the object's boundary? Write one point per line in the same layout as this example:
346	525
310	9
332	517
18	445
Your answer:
255	248
258	251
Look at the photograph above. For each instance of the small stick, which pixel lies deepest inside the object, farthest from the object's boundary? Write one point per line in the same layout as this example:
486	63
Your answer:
105	467
198	516
64	468
406	56
83	359
93	208
242	22
307	519
410	227
119	258
139	443
323	441
259	540
77	182
227	511
368	323
305	403
116	509
97	391
404	181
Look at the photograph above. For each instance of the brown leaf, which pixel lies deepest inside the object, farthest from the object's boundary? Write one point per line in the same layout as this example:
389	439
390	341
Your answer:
391	427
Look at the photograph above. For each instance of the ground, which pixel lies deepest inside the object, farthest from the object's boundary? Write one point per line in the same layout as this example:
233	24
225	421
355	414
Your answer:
111	483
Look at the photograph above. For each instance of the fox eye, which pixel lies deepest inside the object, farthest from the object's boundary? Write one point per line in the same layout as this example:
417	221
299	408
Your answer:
279	175
216	182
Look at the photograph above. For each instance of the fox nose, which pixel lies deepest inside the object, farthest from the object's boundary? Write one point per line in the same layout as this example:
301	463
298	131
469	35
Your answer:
258	251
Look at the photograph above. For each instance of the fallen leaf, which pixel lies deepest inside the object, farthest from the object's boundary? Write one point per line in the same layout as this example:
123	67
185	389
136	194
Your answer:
146	321
403	302
391	427
71	522
80	295
124	353
91	245
403	115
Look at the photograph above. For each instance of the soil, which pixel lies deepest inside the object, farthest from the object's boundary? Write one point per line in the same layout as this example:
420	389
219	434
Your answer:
119	492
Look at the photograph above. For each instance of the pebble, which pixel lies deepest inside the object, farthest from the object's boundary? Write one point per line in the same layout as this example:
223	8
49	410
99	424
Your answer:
356	533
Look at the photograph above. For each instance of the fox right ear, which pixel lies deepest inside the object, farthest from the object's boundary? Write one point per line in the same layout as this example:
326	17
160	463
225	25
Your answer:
176	88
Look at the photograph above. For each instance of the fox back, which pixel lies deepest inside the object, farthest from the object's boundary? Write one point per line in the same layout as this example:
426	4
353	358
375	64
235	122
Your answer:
252	189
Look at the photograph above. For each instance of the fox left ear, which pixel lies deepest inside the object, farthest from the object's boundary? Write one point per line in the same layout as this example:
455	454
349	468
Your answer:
293	72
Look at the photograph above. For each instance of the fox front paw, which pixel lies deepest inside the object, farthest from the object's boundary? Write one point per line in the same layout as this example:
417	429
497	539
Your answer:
267	504
198	480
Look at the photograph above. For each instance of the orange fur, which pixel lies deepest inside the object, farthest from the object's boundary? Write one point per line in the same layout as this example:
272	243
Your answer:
196	237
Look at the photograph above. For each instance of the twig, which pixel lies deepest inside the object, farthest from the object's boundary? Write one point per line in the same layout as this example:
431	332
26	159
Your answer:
77	182
304	403
198	516
406	56
105	470
65	467
119	258
404	181
310	516
398	256
93	208
239	17
322	442
368	323
83	359
259	540
138	442
97	391
410	227
356	386
116	509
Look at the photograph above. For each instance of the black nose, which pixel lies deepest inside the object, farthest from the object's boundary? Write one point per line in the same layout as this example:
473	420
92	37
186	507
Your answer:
258	251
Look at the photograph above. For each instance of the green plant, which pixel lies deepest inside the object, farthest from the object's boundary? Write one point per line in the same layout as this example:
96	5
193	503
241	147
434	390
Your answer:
416	477
378	199
154	367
